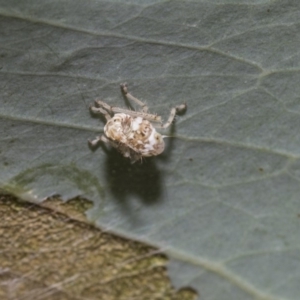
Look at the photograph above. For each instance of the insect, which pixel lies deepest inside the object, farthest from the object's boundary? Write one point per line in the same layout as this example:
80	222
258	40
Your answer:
132	132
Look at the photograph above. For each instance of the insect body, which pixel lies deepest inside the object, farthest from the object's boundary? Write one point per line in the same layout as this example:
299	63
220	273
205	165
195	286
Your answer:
131	132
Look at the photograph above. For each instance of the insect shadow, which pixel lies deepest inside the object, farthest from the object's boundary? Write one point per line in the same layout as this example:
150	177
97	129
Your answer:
141	179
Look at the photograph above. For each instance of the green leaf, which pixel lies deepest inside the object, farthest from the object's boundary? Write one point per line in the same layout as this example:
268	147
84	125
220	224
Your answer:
224	199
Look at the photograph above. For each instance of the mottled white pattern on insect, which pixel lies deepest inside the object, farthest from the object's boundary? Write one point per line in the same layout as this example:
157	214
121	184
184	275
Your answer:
131	132
138	134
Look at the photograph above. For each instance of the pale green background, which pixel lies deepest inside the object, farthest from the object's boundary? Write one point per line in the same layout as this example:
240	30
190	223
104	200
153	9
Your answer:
224	199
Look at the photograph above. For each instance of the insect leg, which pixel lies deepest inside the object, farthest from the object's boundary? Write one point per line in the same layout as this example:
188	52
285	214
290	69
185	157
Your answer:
173	112
130	97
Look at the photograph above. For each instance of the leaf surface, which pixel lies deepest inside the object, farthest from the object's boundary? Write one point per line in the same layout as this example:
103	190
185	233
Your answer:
224	199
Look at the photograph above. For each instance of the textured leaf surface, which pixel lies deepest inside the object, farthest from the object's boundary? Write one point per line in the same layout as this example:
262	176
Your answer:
224	199
56	256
